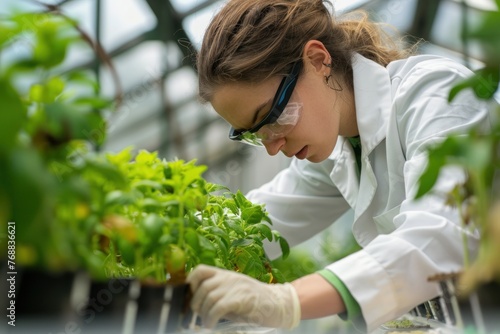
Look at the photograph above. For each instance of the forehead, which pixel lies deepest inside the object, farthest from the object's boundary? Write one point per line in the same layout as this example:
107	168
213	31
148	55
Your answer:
237	102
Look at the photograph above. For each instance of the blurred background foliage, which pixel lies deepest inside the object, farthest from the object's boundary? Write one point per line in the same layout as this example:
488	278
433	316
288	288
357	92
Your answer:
478	153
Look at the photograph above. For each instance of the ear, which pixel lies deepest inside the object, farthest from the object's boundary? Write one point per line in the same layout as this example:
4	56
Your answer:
316	54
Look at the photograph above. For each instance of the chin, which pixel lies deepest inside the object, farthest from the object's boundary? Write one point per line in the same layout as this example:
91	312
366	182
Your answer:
316	158
320	156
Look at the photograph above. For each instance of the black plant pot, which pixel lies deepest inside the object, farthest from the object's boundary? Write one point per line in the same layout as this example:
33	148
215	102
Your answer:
38	301
125	306
479	309
70	303
107	308
163	308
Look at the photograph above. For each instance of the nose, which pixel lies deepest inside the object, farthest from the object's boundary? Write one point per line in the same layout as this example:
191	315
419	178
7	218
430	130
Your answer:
274	146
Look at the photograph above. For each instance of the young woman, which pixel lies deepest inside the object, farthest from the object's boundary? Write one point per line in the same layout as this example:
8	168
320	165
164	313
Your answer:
356	115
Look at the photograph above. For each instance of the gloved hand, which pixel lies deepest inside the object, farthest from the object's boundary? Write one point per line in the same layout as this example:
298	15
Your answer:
219	293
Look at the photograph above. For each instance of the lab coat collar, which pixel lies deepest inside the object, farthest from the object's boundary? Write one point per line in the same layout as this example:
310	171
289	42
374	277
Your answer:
372	95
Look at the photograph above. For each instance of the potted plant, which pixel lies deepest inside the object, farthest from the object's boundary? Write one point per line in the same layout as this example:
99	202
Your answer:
115	224
167	219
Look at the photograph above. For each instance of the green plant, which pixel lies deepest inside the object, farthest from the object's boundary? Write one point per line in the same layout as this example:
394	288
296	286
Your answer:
478	154
168	219
114	215
46	118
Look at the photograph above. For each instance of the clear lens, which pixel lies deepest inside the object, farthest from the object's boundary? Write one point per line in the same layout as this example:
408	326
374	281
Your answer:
279	129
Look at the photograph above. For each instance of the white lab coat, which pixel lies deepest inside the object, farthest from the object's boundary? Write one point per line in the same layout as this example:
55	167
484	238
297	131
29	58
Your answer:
401	109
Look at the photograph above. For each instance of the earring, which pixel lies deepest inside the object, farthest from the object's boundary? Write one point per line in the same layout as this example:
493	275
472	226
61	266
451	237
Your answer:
328	77
332	86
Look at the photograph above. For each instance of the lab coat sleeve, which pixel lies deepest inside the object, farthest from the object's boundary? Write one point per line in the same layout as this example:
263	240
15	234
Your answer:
390	275
301	201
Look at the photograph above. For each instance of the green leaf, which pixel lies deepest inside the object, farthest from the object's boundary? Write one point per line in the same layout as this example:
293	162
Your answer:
94	102
478	154
205	244
486	33
121	158
105	170
167	240
67	122
223	246
191	238
85	78
235	226
249	262
436	160
285	247
153	225
278	276
12	116
20	66
146	185
484	83
52	40
7	33
471	152
214	230
429	176
192	175
264	230
252	215
27	185
127	251
241	200
151	205
48	91
208	257
211	187
231	205
120	198
241	243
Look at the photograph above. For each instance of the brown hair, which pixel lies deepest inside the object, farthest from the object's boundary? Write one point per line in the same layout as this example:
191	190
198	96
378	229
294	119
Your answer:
250	41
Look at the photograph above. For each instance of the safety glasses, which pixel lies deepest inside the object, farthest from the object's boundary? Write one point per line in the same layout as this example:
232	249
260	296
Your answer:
280	120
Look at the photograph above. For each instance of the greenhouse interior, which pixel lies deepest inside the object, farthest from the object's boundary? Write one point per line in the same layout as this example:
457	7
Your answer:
117	180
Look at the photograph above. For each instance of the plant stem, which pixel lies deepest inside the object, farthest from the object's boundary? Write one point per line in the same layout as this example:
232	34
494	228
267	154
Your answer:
465	242
160	277
180	242
482	198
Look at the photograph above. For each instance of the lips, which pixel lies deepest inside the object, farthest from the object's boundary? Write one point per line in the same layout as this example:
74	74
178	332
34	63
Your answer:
302	154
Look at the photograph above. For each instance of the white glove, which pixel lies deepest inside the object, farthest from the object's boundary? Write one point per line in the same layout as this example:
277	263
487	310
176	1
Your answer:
220	293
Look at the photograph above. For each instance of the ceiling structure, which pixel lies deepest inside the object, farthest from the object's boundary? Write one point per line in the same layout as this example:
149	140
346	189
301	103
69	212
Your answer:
152	45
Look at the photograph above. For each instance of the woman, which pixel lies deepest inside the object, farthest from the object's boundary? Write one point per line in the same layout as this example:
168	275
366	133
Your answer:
356	115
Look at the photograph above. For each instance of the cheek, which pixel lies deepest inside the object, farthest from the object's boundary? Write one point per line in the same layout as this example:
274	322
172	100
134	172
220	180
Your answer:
319	123
318	110
322	121
319	130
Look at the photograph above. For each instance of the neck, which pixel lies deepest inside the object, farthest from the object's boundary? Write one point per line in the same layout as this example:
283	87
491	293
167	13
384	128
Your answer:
348	120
